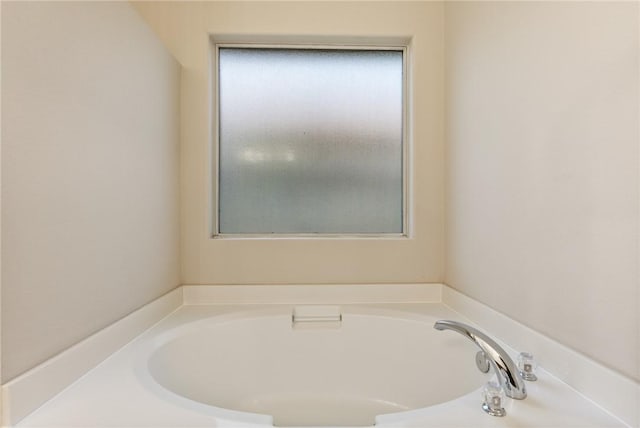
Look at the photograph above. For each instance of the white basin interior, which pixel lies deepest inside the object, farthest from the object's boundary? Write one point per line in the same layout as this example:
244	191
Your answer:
324	374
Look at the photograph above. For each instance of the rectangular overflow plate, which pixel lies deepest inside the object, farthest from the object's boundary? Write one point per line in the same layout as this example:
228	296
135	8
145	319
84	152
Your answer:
316	315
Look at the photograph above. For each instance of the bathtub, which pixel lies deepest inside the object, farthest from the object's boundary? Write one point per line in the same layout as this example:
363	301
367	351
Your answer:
309	365
203	357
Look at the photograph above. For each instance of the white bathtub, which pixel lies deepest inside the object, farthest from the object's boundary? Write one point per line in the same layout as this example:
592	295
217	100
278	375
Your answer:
260	367
217	358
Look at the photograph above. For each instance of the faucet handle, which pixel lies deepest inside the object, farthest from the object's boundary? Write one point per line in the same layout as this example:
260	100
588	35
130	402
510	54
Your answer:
527	366
493	396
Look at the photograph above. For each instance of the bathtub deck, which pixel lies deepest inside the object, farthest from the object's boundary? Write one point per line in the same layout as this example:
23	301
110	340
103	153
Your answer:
112	395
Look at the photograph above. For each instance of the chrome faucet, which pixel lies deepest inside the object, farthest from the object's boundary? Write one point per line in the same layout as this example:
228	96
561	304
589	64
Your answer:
504	367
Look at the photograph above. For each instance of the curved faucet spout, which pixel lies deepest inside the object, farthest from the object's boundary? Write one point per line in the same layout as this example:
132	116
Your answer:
502	364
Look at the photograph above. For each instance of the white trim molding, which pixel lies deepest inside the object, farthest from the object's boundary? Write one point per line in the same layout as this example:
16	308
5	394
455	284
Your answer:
314	294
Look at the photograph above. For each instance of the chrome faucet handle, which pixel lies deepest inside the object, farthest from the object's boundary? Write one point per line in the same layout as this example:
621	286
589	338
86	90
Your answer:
504	367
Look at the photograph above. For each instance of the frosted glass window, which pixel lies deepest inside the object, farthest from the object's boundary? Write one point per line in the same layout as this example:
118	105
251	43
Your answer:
310	141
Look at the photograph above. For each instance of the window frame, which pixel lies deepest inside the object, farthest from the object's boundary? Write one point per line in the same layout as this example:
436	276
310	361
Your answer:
214	116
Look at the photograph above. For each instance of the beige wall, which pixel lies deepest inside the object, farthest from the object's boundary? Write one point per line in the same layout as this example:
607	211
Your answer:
185	29
542	168
1	401
89	173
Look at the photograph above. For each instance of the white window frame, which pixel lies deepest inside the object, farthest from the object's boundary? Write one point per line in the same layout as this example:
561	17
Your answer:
406	144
